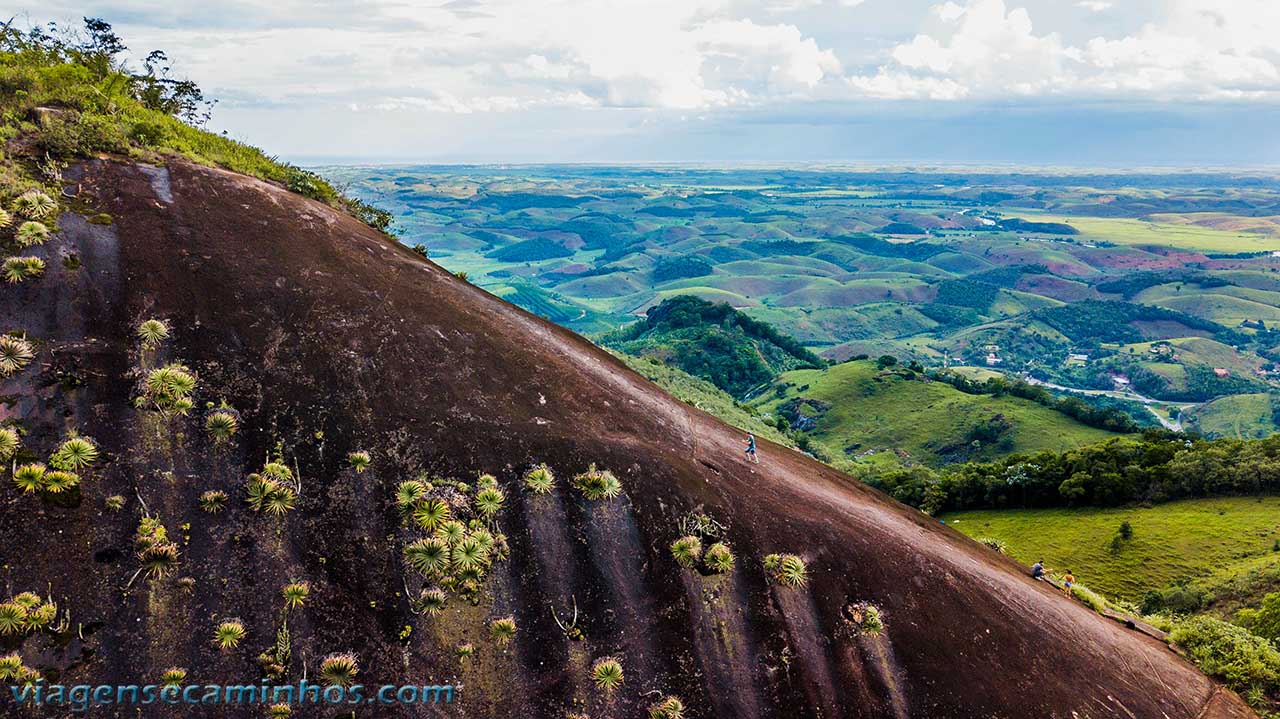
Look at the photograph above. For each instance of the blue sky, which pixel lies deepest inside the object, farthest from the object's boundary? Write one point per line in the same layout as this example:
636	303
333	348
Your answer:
1044	82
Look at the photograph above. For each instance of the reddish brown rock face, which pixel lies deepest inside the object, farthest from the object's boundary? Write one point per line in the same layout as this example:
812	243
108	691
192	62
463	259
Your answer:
328	338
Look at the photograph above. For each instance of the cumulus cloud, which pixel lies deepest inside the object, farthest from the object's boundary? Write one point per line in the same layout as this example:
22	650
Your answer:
503	56
1199	50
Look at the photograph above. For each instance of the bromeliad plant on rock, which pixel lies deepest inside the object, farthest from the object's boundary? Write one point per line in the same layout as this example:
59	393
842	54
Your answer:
168	390
274	490
597	484
158	554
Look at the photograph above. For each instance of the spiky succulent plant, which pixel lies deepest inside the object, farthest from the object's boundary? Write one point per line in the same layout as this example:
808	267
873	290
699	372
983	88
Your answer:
270	496
9	442
792	571
484	538
213	501
451	532
465	651
718	559
10	667
669	707
279	711
432	601
486	481
339	670
13	619
34	204
31	233
428	557
470	554
6	219
489	501
221	426
503	630
597	484
173	677
76	454
295	594
158	554
169	388
540	479
30	477
687	550
607	674
15	354
408	494
114	503
228	634
152	332
20	269
359	461
57	481
430	514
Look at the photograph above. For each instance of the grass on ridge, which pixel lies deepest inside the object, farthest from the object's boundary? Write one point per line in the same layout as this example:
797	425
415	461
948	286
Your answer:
1182	540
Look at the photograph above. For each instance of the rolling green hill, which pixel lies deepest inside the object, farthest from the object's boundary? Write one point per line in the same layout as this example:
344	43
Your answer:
856	410
714	342
1178	541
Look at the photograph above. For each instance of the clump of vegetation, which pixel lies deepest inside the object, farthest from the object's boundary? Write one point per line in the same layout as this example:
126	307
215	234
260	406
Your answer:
687	550
279	711
597	484
997	545
21	269
489	501
30	477
273	491
152	332
76	454
228	635
1246	663
607	675
168	389
863	618
718	559
9	443
428	556
408	494
540	479
503	630
339	670
429	514
31	233
114	503
26	613
158	554
465	651
432	601
213	501
295	594
787	570
34	204
451	532
58	481
670	707
359	461
221	425
173	677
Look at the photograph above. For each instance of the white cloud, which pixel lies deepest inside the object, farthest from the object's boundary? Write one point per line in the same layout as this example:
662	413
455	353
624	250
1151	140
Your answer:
503	56
1199	50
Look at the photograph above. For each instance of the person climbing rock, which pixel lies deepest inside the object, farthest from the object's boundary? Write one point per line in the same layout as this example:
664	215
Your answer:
751	449
1037	569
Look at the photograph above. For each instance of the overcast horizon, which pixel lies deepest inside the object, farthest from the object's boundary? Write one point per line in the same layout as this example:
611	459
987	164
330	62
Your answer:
1087	84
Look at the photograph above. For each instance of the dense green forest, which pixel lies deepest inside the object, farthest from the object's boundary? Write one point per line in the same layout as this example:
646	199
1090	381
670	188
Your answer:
714	342
1156	466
